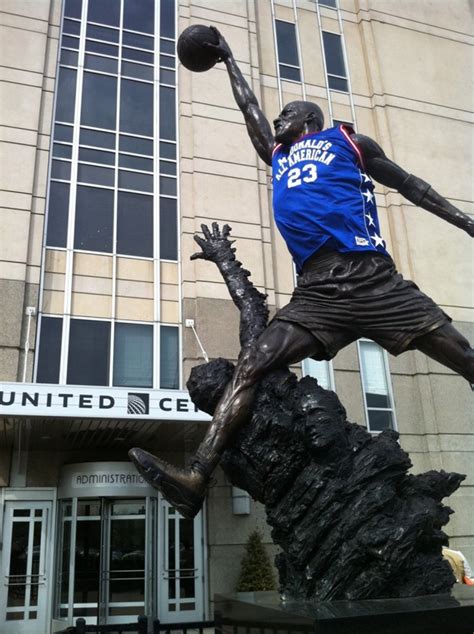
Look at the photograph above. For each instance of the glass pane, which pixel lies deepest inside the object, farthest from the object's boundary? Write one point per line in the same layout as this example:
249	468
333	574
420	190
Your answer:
136	162
61	170
380	420
286	40
97	175
88	508
104	12
73	8
71	27
99	47
135	180
167	47
94	219
168	229
58	210
139	71
70	42
98	139
135	145
336	83
288	72
167	113
102	33
133	355
169	361
372	365
35	564
333	54
87	562
62	151
103	64
319	370
99	101
88	362
136	107
65	554
328	3
168	61
167	18
127	560
66	95
63	132
168	150
139	16
167	167
18	563
167	77
49	352
141	41
139	56
129	507
186	558
135	226
68	58
95	156
377	400
168	186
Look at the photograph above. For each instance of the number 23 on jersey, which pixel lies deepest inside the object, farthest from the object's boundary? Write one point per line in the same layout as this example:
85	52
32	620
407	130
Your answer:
307	174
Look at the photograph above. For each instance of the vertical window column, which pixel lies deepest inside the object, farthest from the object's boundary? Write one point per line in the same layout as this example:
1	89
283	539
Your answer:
322	371
335	66
376	385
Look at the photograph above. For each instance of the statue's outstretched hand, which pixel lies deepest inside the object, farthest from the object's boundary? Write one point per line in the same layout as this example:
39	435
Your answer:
222	49
216	245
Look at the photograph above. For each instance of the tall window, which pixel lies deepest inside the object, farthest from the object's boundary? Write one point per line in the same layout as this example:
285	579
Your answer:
288	58
321	371
115	73
335	66
113	188
376	386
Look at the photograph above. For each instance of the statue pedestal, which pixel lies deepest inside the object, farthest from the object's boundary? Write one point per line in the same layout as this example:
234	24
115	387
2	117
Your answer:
436	614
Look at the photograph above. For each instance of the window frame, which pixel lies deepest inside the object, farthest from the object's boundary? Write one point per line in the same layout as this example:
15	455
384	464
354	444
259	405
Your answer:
389	394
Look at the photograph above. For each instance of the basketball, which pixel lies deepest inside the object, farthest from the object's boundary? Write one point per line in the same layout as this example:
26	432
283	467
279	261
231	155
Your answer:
191	50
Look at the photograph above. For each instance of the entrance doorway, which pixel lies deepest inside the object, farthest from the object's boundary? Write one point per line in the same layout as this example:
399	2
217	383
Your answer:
24	596
118	558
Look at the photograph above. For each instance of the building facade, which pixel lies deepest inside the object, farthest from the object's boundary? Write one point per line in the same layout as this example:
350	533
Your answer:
112	155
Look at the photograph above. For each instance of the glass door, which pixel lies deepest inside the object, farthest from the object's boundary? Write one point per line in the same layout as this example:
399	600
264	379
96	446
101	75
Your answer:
23	597
181	597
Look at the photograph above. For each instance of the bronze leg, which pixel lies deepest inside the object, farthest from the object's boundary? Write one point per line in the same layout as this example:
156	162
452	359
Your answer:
448	346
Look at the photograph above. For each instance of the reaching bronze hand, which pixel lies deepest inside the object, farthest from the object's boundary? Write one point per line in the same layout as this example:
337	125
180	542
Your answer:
216	245
221	49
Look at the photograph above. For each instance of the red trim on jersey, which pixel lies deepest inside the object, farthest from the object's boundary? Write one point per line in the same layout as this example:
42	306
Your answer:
277	147
353	145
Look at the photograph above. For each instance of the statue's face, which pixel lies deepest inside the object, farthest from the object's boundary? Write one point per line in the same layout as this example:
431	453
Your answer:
290	123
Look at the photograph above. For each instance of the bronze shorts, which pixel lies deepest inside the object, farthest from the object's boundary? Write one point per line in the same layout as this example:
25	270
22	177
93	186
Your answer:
341	297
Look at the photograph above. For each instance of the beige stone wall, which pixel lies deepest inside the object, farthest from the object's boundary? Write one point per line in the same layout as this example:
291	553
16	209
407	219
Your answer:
28	34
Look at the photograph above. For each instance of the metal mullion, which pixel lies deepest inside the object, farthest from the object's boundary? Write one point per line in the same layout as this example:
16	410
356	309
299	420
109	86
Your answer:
156	206
177	527
323	55
346	66
115	208
275	43
390	388
72	201
29	564
72	562
298	47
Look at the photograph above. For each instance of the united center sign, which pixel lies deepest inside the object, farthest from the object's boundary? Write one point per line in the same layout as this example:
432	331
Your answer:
33	399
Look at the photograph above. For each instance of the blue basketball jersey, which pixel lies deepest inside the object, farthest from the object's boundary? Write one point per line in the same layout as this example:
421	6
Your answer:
323	197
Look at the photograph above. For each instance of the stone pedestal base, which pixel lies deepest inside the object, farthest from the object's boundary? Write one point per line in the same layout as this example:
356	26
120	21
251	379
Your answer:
263	612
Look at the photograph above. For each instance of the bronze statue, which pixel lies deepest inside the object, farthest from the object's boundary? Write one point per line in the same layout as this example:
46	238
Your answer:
348	286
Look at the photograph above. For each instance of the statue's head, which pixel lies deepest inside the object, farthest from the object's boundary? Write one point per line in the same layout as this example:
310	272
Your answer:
297	118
